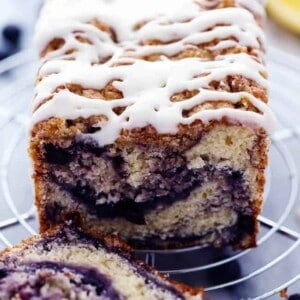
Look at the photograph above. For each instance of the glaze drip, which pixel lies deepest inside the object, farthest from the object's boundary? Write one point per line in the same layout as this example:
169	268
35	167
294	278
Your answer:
142	29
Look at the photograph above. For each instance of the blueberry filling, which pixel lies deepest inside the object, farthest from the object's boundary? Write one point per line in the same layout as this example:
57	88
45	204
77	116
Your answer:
127	208
33	276
170	180
56	155
246	224
89	276
3	273
12	34
4	54
135	212
61	156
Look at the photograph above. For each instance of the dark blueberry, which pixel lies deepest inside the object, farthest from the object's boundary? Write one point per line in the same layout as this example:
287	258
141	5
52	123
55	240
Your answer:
84	193
246	224
106	210
235	177
294	297
134	213
4	54
118	163
56	155
12	34
93	278
92	148
3	273
99	287
131	211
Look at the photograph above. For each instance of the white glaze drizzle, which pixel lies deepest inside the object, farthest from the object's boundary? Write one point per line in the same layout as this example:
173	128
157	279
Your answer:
147	87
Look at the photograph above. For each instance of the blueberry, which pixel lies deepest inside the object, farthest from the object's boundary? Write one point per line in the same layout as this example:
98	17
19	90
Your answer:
118	163
56	155
294	297
84	193
12	34
4	54
3	273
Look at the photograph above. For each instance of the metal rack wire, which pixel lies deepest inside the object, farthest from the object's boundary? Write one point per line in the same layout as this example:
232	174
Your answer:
17	213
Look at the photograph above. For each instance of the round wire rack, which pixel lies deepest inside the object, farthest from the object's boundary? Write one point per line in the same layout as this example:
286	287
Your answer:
258	273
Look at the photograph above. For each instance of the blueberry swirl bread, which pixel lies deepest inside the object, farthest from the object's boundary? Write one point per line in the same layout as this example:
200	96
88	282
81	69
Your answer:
150	119
65	263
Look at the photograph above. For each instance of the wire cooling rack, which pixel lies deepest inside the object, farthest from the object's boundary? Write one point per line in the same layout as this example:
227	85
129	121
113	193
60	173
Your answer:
258	273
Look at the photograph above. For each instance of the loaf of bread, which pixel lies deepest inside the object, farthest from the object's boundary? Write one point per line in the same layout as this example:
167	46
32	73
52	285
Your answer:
150	120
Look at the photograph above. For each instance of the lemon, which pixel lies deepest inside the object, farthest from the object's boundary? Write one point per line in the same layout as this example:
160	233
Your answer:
286	13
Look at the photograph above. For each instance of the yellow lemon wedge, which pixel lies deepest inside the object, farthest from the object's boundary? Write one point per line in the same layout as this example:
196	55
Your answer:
286	13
